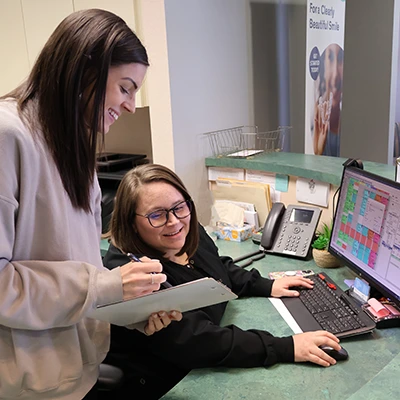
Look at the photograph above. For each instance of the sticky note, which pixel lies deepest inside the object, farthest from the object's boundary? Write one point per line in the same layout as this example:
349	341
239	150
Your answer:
377	309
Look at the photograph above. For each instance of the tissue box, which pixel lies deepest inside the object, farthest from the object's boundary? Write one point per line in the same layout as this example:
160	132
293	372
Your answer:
234	234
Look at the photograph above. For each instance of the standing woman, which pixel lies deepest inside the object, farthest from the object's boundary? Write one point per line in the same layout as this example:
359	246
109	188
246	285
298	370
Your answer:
51	273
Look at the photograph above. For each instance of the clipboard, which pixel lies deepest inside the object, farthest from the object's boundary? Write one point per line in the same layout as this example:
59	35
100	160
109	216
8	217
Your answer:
188	296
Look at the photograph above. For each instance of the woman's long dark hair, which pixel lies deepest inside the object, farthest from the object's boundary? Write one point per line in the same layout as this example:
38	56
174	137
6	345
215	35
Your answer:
64	94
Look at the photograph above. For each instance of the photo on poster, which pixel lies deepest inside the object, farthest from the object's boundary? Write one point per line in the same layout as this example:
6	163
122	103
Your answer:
324	76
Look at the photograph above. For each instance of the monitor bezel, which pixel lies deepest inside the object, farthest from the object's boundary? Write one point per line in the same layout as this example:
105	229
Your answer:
361	273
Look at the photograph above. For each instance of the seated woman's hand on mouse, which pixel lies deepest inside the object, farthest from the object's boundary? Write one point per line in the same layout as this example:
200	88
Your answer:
281	287
306	347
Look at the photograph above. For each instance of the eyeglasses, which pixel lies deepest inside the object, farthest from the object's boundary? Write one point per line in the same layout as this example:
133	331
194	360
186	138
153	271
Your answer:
159	218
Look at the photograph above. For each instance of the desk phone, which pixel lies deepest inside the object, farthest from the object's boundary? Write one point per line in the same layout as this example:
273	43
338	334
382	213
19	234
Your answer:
290	231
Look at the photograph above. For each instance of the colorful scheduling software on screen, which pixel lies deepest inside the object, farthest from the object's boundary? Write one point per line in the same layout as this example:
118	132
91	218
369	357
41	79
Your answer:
366	230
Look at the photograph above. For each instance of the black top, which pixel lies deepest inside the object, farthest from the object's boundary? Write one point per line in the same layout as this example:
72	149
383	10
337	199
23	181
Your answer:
198	340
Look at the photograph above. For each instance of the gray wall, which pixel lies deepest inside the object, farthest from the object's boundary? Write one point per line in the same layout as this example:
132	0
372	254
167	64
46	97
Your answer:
265	68
367	123
268	68
297	62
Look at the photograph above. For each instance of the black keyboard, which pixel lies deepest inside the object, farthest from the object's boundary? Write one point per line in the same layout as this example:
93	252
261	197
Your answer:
327	307
334	313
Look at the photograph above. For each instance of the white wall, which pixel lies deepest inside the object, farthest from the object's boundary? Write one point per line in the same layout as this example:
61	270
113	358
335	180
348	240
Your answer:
199	81
200	77
209	70
153	34
25	26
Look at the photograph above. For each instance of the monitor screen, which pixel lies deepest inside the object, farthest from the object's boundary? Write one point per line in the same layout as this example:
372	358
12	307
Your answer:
366	229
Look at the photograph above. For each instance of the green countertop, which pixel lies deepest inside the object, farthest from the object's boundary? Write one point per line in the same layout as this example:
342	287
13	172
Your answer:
371	372
320	168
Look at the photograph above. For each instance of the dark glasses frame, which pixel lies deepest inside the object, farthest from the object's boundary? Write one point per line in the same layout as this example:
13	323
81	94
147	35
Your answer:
172	210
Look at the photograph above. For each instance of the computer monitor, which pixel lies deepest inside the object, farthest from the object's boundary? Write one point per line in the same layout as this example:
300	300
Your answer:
366	229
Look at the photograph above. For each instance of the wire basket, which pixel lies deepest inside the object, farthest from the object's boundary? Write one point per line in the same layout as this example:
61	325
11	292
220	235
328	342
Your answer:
245	141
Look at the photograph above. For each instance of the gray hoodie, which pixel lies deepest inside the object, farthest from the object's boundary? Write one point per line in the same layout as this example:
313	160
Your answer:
51	275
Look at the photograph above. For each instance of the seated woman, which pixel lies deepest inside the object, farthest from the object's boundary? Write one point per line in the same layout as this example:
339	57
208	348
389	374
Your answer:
155	216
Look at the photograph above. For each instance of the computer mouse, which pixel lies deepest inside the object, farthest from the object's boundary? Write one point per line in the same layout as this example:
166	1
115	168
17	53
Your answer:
337	355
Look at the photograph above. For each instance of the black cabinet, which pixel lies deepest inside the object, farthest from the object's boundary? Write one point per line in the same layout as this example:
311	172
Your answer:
111	168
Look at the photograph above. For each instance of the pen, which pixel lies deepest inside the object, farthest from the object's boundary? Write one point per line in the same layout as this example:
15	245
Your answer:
133	257
166	284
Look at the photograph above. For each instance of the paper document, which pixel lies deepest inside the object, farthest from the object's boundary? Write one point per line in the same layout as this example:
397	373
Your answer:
215	173
243	191
245	153
188	296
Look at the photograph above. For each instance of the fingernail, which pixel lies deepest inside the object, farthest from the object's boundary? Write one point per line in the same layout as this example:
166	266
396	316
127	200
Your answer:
173	313
161	314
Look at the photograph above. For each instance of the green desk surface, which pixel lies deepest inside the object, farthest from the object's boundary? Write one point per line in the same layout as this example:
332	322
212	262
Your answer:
371	372
321	168
103	247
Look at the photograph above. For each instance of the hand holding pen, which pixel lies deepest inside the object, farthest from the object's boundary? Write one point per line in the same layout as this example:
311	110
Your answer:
162	319
166	284
140	278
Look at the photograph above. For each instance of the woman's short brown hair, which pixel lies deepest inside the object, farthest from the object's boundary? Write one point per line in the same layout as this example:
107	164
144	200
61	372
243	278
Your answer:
123	233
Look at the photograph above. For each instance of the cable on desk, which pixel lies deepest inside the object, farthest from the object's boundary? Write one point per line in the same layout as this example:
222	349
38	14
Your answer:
252	259
244	257
246	264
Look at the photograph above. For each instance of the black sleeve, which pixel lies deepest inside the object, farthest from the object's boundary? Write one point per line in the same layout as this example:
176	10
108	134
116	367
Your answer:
247	283
114	258
196	342
244	282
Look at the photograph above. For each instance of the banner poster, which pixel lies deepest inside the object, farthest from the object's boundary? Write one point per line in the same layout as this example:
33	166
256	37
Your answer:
324	76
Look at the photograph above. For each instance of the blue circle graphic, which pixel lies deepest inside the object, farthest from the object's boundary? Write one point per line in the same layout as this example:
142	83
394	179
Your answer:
314	63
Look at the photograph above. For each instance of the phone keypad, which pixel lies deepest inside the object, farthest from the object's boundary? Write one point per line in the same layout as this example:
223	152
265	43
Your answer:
296	229
293	243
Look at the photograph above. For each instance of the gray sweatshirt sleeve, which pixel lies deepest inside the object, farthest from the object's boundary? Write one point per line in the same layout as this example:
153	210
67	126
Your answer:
40	295
51	272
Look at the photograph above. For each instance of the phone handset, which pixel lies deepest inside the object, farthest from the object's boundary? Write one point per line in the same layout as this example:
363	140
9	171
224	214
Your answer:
272	225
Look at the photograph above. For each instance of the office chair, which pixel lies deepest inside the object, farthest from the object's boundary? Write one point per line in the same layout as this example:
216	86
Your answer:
107	207
110	379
